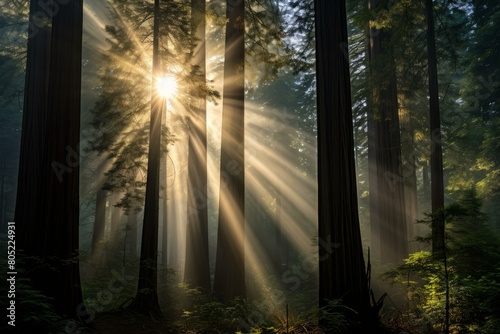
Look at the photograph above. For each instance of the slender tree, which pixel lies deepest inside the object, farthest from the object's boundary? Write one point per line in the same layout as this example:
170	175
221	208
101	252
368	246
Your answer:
197	269
100	209
341	264
229	280
436	164
47	210
146	299
437	182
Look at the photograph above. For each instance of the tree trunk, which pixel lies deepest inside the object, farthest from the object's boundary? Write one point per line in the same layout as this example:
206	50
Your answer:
172	224
409	172
411	206
229	281
373	184
341	263
146	299
426	184
391	219
99	220
163	206
61	207
132	234
197	269
437	183
47	209
34	129
115	221
164	209
100	206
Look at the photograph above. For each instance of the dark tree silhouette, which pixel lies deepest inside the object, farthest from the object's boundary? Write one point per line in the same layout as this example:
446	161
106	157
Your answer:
29	187
389	233
47	208
436	165
197	270
229	281
437	182
146	299
341	262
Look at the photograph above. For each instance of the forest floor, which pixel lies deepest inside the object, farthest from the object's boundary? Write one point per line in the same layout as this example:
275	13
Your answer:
125	322
128	322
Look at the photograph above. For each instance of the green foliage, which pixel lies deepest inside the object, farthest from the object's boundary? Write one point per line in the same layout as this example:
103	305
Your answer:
264	37
211	316
472	273
121	114
336	317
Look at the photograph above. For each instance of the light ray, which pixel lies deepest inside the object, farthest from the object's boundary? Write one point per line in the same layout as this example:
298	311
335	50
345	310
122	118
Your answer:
167	86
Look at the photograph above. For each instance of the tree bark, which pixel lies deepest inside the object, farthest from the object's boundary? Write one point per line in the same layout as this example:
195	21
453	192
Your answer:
373	184
425	179
132	233
229	281
409	171
391	220
438	232
341	263
146	299
164	209
34	129
99	220
48	197
62	201
100	206
197	269
437	183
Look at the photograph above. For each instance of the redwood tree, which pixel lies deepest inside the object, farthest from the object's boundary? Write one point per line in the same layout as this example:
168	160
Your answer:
34	128
341	263
197	270
436	165
388	227
229	281
47	209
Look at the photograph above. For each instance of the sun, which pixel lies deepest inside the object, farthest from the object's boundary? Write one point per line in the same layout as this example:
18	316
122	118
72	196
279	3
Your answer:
166	86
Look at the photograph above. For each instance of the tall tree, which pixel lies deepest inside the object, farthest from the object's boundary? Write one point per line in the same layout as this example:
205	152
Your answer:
146	299
29	188
47	209
436	165
389	225
229	280
197	269
342	269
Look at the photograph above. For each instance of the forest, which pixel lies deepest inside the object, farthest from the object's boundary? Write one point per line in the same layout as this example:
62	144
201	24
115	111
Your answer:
250	166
